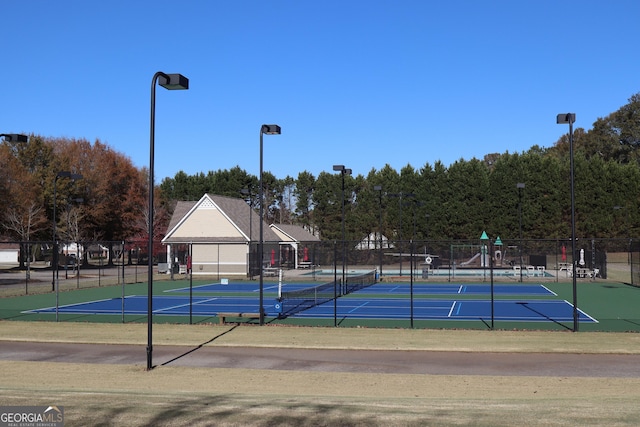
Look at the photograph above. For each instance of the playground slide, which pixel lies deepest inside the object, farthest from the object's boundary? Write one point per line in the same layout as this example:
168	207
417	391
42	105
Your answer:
470	260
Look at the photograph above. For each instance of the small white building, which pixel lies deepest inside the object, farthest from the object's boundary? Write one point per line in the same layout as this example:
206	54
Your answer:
9	253
372	241
294	244
222	233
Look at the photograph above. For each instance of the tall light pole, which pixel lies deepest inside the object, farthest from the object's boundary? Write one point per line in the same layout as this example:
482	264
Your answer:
520	186
268	130
76	267
400	196
247	192
18	137
426	231
570	118
54	255
170	82
378	188
412	248
627	232
343	171
487	249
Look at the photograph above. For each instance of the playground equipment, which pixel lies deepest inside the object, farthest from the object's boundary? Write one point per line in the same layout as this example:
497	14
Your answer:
478	255
471	260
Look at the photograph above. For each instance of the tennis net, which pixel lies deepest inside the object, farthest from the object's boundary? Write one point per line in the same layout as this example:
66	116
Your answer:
301	299
293	302
361	281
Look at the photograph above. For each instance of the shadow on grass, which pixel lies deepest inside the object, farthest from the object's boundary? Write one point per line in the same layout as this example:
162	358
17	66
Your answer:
199	346
218	410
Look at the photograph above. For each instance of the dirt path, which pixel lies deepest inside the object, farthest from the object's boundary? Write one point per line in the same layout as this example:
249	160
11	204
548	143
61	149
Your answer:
331	360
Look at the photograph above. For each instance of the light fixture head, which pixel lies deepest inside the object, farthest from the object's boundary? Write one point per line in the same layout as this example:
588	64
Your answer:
566	118
271	129
520	185
173	81
15	137
377	187
338	168
67	174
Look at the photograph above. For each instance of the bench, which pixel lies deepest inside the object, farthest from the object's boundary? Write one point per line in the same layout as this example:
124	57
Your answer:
584	272
223	316
270	271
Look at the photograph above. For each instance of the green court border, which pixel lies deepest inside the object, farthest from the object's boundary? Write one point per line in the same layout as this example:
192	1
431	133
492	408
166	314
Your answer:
616	307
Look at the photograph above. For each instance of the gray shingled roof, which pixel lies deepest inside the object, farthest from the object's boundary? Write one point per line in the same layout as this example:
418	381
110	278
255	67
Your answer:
236	209
297	233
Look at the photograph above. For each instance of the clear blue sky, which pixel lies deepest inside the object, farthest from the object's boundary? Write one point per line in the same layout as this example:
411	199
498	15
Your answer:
356	82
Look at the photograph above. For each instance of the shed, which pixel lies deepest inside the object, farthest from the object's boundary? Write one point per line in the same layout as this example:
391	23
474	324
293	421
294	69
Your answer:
222	234
294	244
9	253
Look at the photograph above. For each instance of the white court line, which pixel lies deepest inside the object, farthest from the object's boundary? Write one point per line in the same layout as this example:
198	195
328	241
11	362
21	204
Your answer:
453	305
586	315
186	288
549	290
173	307
357	307
39	310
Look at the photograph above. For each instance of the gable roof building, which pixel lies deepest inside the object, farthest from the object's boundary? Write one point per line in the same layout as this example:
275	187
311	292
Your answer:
216	219
293	238
293	233
222	234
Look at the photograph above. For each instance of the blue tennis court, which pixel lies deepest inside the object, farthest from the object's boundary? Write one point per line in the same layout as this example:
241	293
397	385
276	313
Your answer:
234	287
452	289
439	309
162	305
353	308
383	288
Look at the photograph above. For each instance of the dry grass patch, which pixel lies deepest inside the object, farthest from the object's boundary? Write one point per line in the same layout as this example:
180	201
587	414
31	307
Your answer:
115	395
336	338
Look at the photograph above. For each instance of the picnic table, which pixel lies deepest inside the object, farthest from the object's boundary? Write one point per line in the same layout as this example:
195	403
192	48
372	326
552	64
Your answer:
582	272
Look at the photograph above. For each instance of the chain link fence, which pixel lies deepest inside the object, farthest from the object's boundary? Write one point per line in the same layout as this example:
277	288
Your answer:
99	263
607	271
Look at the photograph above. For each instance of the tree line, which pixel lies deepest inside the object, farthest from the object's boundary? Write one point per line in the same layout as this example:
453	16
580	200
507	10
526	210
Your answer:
433	201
